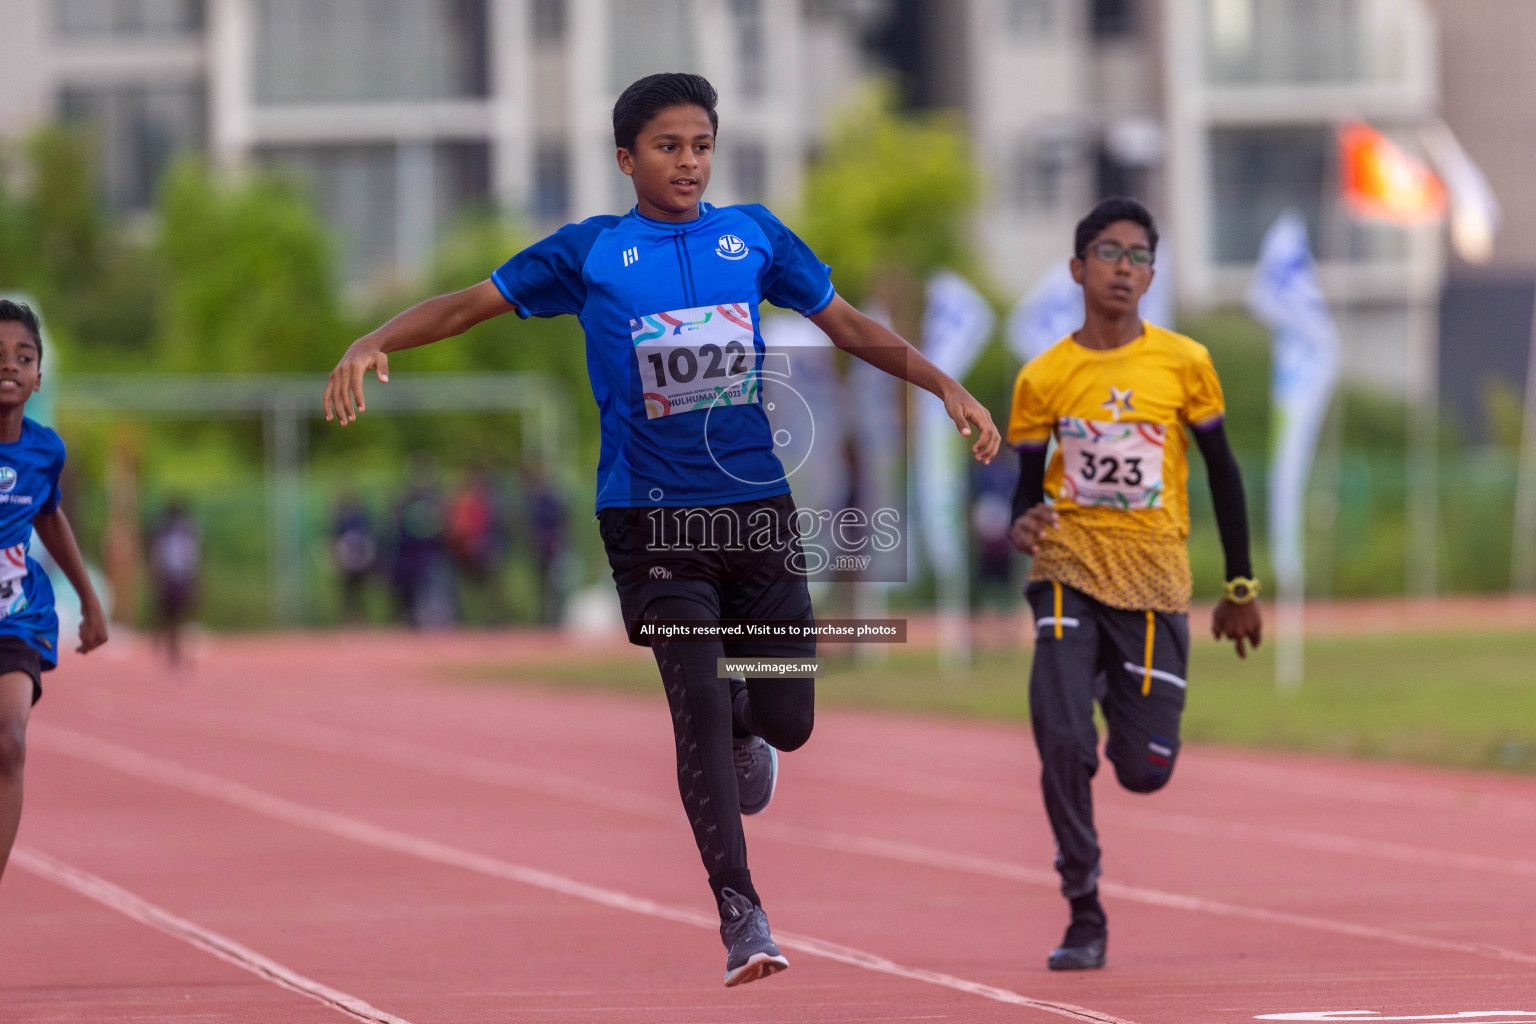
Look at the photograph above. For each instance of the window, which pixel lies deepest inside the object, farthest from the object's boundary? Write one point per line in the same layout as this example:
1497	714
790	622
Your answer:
551	200
751	160
749	45
140	128
1258	174
647	36
1039	172
1030	19
373	196
1118	178
128	17
549	20
344	50
1114	19
1284	40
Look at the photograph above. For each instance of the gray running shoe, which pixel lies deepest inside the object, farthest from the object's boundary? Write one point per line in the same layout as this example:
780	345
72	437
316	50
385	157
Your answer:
750	952
757	771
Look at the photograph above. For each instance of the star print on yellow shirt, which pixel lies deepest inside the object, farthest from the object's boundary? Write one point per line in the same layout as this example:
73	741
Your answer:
1119	475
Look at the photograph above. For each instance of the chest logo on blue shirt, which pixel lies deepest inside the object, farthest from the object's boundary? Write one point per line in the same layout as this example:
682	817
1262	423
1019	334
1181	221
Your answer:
731	248
7	479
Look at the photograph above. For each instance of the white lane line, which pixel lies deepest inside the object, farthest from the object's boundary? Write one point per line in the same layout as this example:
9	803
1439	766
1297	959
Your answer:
1322	842
921	855
211	942
169	773
325	739
984	795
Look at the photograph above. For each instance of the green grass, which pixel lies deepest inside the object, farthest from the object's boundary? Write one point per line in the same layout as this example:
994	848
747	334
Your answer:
1464	699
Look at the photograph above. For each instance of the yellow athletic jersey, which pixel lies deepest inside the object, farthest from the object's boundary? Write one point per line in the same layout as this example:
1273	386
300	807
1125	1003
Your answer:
1119	474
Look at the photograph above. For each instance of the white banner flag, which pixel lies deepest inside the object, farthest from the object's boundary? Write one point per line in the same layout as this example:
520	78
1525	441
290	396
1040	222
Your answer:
1050	311
956	325
1285	295
957	322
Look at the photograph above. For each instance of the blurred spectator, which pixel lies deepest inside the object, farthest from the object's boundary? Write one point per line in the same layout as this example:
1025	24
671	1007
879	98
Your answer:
355	552
421	576
477	536
546	536
175	563
991	515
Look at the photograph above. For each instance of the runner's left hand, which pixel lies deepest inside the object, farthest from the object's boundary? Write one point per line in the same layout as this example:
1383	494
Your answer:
966	411
1240	623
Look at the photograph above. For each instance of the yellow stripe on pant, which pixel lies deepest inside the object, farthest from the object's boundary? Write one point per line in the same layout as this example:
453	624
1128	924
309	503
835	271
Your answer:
1146	677
1056	591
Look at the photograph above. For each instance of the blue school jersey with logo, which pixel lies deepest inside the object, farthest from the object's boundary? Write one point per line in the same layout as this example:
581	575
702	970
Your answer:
674	351
29	487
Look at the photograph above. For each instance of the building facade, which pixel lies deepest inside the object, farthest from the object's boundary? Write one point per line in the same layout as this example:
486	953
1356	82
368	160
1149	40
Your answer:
404	114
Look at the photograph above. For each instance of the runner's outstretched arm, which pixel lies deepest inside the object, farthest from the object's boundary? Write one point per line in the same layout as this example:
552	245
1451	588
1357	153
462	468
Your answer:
884	349
434	319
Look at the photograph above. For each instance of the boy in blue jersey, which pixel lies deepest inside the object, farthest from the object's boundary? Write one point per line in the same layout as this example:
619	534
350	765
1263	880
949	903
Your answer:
31	457
693	504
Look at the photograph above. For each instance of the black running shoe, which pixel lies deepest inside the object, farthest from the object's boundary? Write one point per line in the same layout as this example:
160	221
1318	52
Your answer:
750	952
757	772
1081	949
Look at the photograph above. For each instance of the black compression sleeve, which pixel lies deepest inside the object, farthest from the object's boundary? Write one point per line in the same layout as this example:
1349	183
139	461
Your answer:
1227	496
1031	489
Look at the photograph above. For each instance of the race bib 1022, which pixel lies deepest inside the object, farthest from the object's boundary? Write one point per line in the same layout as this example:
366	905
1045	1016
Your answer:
1111	465
13	579
690	360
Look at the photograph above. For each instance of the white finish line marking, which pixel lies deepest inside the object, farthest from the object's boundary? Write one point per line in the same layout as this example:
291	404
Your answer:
228	950
1462	1017
169	773
325	739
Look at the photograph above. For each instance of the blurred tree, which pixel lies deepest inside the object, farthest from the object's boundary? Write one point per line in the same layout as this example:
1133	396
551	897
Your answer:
59	244
248	278
889	201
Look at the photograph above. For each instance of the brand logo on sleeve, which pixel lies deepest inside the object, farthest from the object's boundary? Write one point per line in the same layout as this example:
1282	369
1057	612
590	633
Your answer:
732	248
7	479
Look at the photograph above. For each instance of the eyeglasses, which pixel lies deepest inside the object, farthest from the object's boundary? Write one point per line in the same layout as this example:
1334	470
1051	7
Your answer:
1110	253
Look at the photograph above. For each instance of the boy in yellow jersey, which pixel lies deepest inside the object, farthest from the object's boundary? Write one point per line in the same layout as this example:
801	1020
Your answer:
1110	582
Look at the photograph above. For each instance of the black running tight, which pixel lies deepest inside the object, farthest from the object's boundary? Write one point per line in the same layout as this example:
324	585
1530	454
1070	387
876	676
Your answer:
781	711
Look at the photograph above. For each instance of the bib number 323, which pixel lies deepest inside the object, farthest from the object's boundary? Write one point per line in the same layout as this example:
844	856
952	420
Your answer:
1112	465
690	360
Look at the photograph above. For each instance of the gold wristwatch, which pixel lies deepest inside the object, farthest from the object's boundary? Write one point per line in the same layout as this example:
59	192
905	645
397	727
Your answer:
1241	589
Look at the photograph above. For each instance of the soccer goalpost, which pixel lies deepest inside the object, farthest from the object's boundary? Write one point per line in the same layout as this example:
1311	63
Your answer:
284	402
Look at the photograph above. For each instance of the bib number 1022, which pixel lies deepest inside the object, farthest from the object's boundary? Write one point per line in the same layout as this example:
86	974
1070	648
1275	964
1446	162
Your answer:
1107	469
681	365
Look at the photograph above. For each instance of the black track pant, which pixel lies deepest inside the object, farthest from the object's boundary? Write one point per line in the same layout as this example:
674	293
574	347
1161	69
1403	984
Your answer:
695	580
1134	664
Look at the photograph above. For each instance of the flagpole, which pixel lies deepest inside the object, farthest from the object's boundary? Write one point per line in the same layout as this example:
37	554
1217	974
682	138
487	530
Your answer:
1423	364
1523	564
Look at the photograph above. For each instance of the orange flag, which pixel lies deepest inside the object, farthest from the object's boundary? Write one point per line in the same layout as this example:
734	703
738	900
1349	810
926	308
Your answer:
1381	182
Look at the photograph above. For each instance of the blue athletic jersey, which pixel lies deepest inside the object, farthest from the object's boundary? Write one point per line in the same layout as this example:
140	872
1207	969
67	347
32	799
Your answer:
29	487
674	352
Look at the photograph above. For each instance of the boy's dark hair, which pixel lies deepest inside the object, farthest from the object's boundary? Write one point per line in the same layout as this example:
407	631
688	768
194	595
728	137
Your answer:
652	94
22	314
1107	212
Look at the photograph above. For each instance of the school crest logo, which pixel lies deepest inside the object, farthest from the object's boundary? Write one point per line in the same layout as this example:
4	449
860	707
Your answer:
7	479
731	248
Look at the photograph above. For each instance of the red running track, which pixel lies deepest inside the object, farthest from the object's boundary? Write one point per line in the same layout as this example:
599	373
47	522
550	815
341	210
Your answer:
349	828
